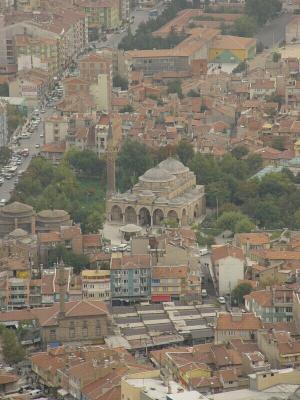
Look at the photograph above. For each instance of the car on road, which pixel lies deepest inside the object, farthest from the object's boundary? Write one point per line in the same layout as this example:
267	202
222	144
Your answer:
204	293
41	135
221	300
204	251
37	146
1	181
3	202
114	249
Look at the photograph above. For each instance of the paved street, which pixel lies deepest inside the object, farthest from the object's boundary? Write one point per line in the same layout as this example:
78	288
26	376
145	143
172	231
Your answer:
274	33
29	143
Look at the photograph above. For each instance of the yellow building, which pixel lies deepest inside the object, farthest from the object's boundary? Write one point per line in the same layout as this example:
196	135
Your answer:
231	49
297	148
100	16
95	284
193	370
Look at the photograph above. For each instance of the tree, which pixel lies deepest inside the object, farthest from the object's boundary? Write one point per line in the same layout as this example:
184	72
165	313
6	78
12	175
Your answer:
239	152
262	10
175	87
119	81
12	349
238	293
133	160
244	26
86	162
276	57
235	221
4	90
193	93
5	155
127	109
278	143
14	119
240	68
185	151
60	252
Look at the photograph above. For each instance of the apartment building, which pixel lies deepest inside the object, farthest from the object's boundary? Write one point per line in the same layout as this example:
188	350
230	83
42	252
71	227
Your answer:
169	283
252	241
228	266
100	15
55	128
61	35
272	304
39	53
130	277
236	325
95	284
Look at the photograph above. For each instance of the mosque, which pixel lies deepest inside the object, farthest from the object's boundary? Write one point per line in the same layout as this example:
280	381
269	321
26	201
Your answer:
167	192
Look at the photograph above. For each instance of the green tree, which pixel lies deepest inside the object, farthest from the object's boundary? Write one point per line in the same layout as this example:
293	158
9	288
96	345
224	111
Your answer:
133	160
5	155
235	221
238	293
239	152
175	87
276	57
127	109
119	81
70	259
278	143
262	10
244	26
193	93
12	349
86	162
185	151
14	119
4	90
240	68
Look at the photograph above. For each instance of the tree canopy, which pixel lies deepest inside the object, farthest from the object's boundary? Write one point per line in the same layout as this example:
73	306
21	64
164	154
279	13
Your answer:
13	352
238	293
60	252
262	10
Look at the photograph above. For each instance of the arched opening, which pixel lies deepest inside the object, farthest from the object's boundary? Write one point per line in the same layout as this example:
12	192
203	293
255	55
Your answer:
196	211
173	216
116	214
158	217
130	215
144	217
184	220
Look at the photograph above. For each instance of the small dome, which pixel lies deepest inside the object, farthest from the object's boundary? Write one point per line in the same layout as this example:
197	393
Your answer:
16	207
173	166
146	193
52	214
157	175
17	233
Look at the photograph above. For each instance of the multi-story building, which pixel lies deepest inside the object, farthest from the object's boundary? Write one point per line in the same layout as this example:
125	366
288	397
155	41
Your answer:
61	35
130	277
95	284
280	348
169	283
55	128
100	15
228	266
252	241
271	305
236	325
3	124
39	53
17	293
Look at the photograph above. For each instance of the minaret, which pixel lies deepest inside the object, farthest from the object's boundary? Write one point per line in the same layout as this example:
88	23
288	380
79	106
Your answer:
111	162
62	285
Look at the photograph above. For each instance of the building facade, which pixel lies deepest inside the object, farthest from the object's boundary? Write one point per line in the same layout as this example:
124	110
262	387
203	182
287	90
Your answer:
130	277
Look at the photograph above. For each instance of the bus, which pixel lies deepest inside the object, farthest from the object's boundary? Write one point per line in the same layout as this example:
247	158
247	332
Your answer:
153	13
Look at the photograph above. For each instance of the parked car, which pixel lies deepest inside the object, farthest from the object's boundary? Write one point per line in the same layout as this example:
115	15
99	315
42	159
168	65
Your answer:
221	300
204	293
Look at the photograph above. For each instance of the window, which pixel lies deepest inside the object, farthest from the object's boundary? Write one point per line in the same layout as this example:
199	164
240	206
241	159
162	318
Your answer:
52	334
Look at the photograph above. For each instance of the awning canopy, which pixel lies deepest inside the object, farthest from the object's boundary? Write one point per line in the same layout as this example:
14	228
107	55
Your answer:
130	228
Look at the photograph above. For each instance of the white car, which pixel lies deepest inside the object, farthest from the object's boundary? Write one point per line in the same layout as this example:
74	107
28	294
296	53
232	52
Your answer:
37	146
221	300
2	202
114	249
